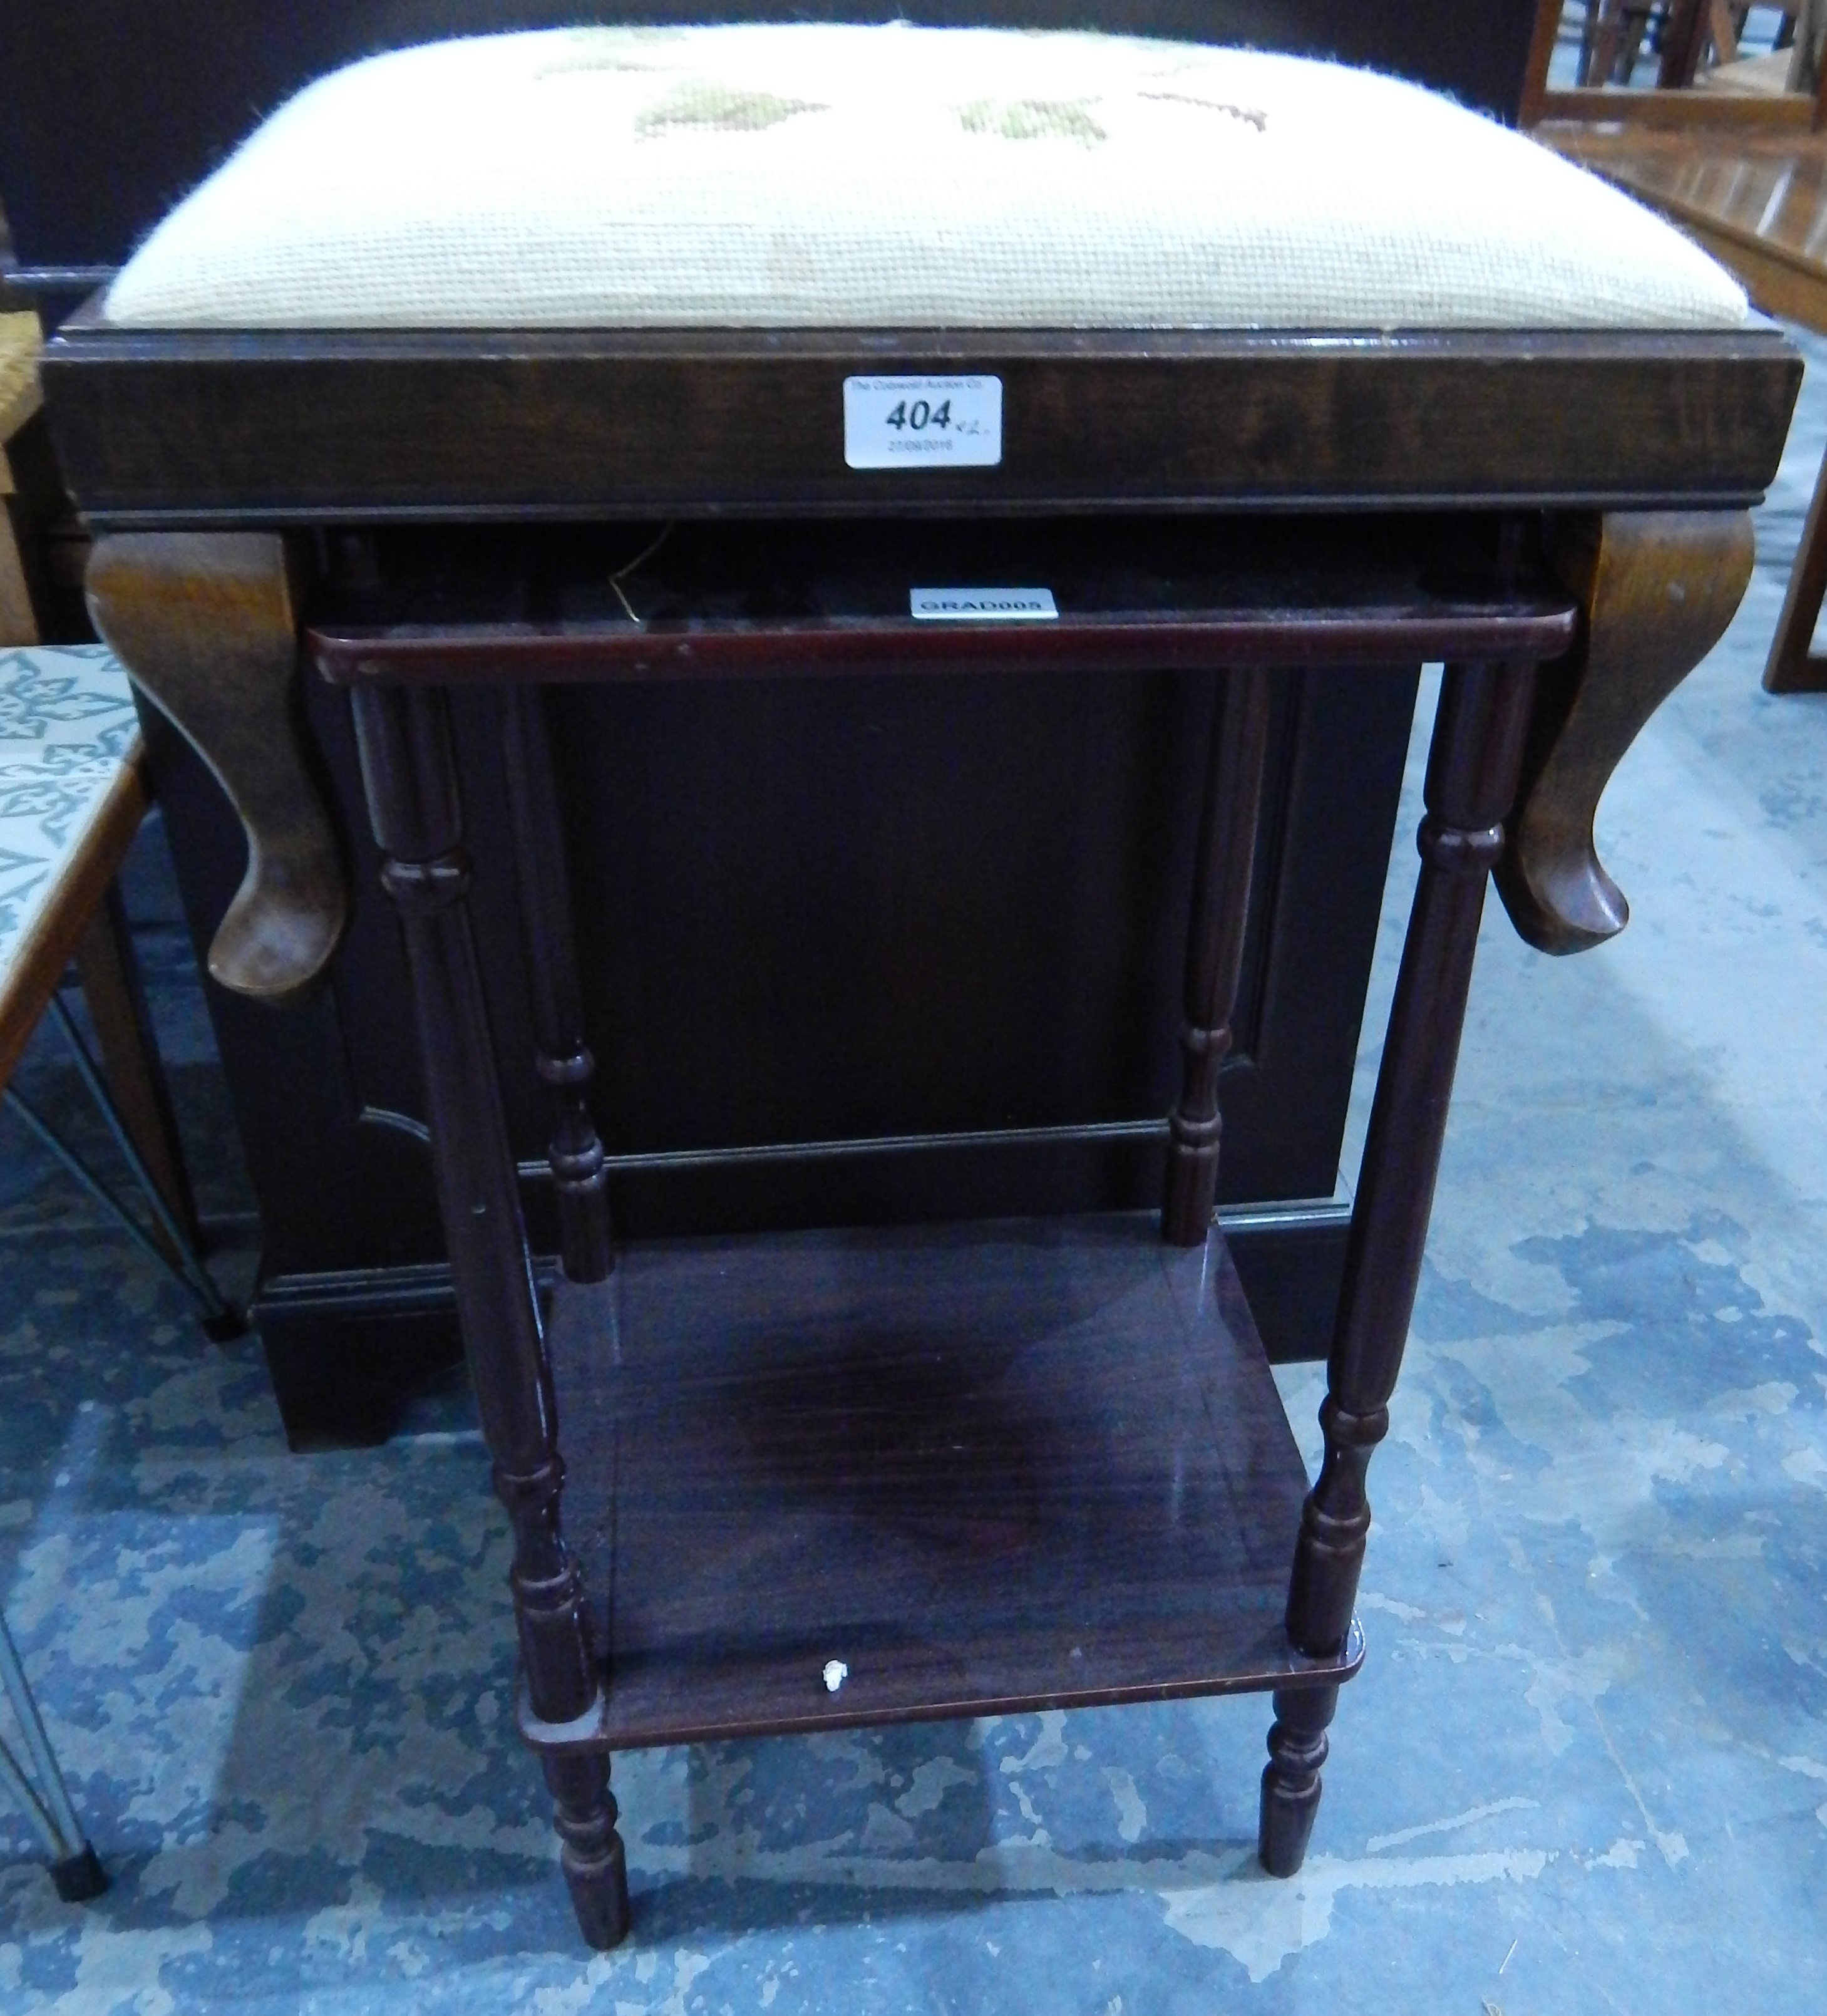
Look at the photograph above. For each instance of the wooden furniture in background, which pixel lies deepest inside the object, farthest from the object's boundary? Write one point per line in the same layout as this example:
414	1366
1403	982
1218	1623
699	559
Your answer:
1702	78
1753	189
19	340
42	545
72	793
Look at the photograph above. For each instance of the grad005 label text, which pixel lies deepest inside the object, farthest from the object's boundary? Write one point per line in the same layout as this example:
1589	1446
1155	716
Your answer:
982	605
923	423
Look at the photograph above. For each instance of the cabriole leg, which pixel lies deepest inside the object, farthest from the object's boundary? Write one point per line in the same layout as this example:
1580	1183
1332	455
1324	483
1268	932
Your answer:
207	624
1657	590
410	779
1472	773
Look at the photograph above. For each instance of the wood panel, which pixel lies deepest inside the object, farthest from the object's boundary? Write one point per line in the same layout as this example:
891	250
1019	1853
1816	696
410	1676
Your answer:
990	1468
195	428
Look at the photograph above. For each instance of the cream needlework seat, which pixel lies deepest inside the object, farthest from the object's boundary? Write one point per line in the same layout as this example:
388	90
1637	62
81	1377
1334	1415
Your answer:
818	176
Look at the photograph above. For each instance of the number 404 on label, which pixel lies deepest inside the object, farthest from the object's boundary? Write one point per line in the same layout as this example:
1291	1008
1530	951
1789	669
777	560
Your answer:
923	423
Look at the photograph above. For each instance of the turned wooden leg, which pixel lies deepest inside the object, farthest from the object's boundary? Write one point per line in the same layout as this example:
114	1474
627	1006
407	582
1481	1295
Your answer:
596	1864
1657	590
1290	1780
205	623
1791	667
1215	949
563	1062
1471	775
409	774
1684	42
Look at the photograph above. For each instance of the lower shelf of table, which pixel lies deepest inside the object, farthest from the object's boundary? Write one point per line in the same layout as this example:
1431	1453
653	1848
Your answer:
986	1467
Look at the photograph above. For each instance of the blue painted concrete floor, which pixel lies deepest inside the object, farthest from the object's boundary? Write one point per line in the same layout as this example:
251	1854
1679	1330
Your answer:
1584	1768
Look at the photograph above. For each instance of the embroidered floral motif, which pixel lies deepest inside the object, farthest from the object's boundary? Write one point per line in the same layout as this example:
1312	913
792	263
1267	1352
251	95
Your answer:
1260	121
1033	119
715	107
609	49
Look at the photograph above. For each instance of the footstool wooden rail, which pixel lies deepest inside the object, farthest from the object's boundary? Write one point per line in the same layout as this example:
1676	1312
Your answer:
851	1477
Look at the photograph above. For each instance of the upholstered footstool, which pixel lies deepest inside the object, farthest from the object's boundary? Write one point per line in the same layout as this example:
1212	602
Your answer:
760	351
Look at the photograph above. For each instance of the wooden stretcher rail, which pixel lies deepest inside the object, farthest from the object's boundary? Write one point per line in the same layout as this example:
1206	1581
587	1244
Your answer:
699	601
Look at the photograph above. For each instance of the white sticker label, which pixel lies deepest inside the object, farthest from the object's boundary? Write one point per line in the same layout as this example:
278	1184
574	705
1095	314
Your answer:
923	423
982	605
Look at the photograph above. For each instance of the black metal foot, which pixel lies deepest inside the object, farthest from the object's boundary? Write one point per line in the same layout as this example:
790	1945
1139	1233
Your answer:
79	1877
229	1327
1291	1783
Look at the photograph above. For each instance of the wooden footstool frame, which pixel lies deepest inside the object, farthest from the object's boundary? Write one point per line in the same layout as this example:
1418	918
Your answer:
828	1480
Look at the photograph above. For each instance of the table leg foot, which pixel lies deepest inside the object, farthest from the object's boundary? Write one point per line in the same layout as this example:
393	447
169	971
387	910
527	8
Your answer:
1290	1781
596	1864
79	1878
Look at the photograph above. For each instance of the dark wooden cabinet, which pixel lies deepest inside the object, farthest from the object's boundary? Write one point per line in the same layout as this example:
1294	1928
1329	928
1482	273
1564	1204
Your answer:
866	953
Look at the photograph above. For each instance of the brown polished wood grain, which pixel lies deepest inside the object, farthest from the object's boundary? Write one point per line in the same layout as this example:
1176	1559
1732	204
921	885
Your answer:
416	810
1657	590
1758	200
194	428
990	1468
206	625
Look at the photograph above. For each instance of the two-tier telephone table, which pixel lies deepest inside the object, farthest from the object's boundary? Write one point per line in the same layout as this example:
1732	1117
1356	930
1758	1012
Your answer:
737	354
